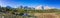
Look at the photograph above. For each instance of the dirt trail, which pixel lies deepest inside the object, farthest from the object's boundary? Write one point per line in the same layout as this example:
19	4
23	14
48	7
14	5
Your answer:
47	15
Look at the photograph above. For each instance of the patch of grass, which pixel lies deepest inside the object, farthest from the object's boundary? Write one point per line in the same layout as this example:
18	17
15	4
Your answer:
57	12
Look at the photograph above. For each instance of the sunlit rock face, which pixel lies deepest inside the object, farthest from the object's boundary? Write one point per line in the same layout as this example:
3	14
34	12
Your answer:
38	7
45	7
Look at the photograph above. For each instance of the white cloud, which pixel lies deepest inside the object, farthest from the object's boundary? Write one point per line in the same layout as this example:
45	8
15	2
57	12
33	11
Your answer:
1	4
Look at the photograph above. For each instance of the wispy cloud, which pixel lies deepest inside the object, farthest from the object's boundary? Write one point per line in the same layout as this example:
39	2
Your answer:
2	4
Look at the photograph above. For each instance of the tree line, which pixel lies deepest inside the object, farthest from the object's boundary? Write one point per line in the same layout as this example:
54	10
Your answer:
25	9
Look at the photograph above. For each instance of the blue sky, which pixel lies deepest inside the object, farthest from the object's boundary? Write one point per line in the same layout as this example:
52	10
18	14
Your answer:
32	3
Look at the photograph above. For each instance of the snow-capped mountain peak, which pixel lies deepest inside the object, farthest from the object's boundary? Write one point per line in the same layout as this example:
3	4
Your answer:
45	7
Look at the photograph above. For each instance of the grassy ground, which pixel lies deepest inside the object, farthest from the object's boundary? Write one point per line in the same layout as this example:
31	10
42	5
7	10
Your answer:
47	15
41	15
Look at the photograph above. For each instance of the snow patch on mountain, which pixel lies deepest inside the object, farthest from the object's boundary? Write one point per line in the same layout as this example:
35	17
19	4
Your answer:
45	7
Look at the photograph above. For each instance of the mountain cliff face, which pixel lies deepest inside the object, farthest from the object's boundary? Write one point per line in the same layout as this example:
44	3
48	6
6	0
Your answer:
45	7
